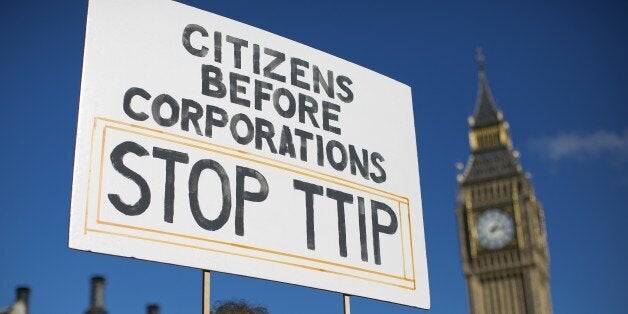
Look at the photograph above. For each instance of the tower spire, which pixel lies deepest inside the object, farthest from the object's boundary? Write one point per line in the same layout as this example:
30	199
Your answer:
479	58
486	112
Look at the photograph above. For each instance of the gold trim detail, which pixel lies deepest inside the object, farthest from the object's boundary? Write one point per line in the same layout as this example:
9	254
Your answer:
231	152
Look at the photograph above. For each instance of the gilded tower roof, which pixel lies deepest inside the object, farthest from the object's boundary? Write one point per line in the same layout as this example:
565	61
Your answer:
492	153
490	165
486	112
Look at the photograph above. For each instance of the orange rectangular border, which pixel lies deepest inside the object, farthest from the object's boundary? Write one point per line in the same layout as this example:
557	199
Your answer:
231	152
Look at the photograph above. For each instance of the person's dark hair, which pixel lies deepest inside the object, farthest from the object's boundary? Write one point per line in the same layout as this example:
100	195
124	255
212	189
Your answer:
237	307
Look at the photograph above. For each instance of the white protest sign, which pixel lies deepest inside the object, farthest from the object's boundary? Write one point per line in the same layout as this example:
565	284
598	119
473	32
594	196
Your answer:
209	143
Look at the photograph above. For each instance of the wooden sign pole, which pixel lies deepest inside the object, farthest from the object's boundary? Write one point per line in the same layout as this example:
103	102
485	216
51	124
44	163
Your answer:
206	293
207	299
347	303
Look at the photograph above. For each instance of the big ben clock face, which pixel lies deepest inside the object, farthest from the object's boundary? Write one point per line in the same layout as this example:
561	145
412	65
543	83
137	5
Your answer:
495	229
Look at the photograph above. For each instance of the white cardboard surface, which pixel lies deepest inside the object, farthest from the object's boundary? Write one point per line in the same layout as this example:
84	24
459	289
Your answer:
139	44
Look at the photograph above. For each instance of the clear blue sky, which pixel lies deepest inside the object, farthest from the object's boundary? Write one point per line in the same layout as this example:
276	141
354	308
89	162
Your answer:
557	69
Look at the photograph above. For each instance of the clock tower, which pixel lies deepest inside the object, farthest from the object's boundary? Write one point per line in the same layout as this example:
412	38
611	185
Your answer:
503	244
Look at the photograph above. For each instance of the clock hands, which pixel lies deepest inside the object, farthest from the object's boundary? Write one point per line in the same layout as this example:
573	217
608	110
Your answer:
495	228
